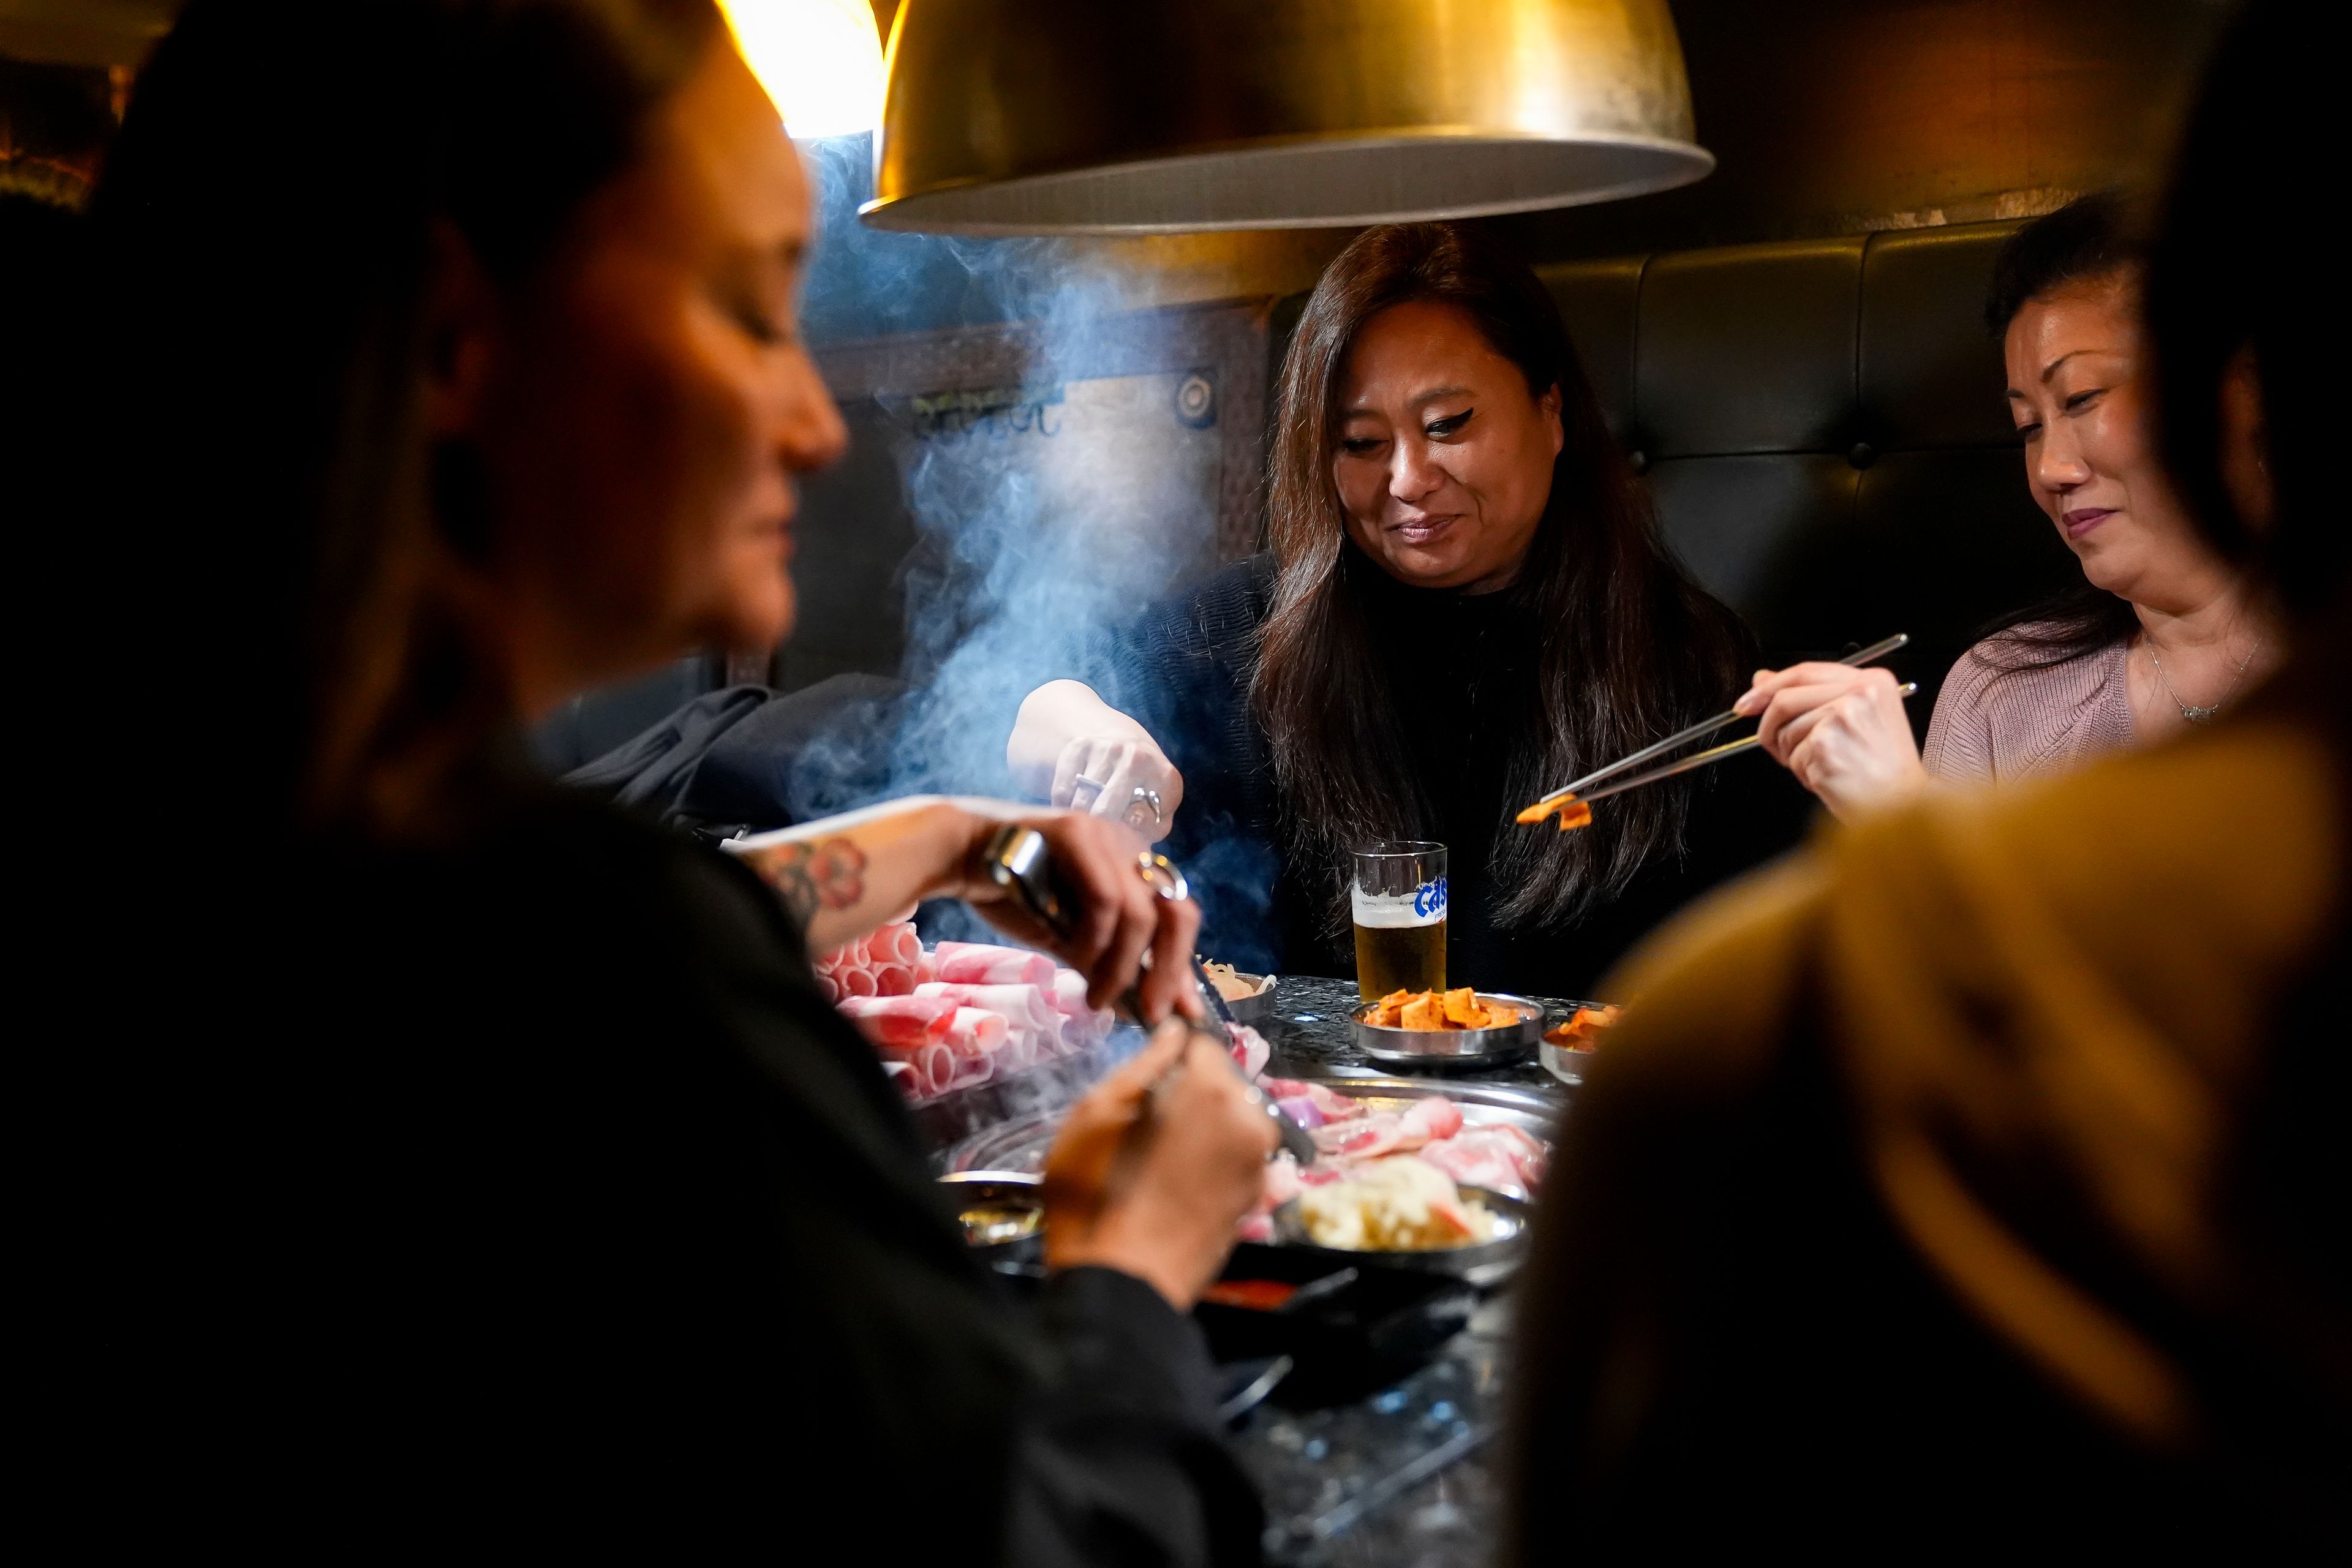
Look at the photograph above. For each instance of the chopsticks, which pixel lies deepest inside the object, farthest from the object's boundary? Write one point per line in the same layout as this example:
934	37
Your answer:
1699	760
1581	789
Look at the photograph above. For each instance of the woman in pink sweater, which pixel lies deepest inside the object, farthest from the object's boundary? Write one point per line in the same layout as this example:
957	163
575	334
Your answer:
2162	634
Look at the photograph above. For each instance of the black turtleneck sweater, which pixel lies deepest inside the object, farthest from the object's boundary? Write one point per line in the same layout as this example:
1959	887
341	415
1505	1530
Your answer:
1184	672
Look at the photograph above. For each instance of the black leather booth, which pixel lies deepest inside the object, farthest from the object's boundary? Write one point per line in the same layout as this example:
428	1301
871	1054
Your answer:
1822	429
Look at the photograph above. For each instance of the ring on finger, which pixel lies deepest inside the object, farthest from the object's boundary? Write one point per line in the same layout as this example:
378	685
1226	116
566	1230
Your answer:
1140	802
1160	875
1092	787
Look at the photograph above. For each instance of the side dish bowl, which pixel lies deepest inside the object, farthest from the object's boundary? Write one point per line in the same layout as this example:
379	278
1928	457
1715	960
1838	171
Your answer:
1452	1047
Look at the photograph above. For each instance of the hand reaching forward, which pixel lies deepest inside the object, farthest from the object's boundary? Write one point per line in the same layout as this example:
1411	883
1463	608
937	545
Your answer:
1154	1168
1079	752
1841	730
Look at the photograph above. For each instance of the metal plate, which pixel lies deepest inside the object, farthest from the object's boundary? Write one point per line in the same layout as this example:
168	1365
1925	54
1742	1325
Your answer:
1452	1047
1007	1192
1020	1143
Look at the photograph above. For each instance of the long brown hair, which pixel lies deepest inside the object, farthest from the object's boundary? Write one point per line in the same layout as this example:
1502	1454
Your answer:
308	560
1627	647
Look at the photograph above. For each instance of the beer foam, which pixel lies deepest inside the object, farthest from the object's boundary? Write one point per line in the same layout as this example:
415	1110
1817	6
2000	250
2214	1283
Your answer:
1392	914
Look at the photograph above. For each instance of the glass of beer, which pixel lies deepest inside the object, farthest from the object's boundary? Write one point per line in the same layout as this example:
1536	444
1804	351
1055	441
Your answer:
1399	898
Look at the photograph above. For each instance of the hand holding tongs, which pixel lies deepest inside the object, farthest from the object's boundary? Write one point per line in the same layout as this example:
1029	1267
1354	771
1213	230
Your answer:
1581	793
1018	860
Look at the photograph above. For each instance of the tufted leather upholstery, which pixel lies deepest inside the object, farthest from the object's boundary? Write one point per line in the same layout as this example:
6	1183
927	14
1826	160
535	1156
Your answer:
1823	427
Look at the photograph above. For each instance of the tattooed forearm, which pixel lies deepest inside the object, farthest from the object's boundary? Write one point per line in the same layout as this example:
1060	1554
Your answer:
829	873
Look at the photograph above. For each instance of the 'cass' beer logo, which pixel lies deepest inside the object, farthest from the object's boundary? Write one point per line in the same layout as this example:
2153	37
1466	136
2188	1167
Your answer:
1429	899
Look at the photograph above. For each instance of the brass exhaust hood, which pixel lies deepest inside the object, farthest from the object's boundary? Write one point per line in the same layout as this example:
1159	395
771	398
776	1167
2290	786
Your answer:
1157	116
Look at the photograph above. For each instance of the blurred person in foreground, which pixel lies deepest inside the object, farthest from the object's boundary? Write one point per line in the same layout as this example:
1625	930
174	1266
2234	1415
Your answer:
499	1165
1978	1179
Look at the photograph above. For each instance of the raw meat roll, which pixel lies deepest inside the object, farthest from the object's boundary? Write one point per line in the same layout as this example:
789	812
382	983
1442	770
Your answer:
902	1024
984	964
974	1031
1023	1005
896	944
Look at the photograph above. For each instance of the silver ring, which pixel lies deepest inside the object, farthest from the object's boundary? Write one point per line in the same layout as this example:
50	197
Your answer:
1144	800
1162	876
1094	787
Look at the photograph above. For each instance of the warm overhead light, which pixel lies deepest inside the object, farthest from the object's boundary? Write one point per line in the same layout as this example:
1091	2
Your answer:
1137	116
821	61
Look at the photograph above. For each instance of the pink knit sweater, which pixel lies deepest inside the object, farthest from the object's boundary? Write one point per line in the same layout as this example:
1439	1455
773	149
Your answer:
1994	727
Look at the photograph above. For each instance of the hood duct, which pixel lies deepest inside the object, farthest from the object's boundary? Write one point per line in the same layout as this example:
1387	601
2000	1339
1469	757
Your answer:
1156	116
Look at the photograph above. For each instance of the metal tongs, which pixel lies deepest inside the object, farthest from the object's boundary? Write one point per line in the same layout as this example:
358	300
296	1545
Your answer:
1019	861
1611	781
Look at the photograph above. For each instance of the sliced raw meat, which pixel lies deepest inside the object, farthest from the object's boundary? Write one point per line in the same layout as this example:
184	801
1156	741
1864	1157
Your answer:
896	944
1501	1157
894	979
1364	1138
1282	1180
856	980
984	964
901	1023
1335	1106
1428	1121
1025	1006
1250	1051
1085	1024
828	985
975	1032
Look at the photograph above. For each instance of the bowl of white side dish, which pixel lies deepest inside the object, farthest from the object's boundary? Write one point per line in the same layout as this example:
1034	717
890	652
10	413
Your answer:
1248	997
1393	1215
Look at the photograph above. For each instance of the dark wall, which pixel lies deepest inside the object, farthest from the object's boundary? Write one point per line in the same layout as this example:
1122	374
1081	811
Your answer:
1849	116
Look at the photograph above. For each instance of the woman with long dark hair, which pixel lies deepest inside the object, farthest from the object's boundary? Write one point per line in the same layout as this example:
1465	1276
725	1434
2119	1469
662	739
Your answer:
1465	603
2162	632
488	1159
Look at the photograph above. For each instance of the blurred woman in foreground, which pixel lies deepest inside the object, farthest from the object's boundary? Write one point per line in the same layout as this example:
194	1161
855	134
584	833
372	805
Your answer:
1979	1179
2162	632
528	1181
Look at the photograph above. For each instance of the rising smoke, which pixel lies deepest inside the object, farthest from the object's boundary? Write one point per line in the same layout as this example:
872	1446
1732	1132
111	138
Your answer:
1046	512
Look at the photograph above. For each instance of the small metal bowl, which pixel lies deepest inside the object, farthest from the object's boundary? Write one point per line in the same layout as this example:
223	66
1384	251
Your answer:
1004	1212
1480	1263
1452	1047
1258	1005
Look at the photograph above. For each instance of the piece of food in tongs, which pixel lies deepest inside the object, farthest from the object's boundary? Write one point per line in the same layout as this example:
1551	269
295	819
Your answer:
1573	812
